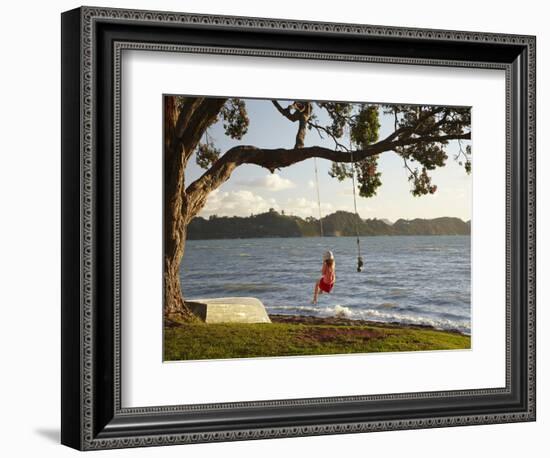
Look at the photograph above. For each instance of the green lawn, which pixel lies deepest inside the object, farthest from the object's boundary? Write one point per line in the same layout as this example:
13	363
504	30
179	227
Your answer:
191	341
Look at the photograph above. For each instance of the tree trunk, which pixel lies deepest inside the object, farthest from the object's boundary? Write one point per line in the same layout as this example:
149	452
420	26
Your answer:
173	296
174	218
184	127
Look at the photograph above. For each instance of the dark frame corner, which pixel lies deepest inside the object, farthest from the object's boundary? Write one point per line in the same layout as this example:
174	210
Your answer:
92	416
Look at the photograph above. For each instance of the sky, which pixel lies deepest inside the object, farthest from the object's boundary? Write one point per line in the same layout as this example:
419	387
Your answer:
252	189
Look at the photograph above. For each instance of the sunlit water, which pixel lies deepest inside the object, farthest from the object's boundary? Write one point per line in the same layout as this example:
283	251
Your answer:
406	279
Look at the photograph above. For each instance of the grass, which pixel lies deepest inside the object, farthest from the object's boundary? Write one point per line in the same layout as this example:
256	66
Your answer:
198	340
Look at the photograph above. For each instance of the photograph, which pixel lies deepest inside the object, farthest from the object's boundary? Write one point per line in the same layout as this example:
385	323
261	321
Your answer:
279	225
314	227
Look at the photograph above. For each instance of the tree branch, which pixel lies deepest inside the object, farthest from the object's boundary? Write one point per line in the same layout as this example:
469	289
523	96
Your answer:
273	159
411	129
326	131
286	111
302	113
192	123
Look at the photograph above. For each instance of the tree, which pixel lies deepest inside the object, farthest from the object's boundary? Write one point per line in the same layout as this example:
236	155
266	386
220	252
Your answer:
420	137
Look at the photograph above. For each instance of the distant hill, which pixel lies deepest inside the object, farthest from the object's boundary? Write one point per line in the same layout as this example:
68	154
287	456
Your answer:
275	224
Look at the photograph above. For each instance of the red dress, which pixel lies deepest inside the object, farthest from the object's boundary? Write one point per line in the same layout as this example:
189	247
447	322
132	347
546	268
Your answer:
326	283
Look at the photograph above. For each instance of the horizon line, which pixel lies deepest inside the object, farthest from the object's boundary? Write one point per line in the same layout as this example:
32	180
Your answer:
282	213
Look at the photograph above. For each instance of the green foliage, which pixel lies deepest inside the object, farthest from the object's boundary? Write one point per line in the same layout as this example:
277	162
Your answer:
363	132
365	126
368	176
468	162
340	223
429	122
206	154
422	183
235	118
340	171
437	226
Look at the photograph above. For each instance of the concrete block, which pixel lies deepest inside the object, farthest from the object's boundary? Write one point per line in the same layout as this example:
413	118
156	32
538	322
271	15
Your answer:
229	310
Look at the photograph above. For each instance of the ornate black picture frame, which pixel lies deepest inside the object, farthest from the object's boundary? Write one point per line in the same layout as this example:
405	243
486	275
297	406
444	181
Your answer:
92	42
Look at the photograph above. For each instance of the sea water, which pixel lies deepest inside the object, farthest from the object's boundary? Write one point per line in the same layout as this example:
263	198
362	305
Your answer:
406	279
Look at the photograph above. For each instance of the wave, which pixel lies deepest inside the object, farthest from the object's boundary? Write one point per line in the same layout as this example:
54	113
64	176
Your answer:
301	309
391	316
384	316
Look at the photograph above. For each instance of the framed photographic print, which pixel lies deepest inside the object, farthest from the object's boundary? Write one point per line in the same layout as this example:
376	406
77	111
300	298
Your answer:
276	228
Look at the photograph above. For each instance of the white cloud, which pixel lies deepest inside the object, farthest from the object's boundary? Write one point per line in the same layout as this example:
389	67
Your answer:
244	203
300	206
236	203
269	182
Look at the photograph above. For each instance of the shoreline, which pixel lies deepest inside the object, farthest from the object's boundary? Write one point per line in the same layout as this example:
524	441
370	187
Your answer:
189	239
343	321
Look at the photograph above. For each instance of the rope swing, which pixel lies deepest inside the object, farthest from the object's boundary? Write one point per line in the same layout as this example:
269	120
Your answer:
357	218
359	258
318	197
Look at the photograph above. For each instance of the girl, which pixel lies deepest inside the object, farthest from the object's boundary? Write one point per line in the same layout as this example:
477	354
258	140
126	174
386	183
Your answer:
328	277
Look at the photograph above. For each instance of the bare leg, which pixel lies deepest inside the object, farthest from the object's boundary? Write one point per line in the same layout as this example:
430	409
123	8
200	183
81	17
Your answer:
315	293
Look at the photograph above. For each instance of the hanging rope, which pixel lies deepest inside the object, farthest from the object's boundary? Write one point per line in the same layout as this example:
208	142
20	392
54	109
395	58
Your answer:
318	197
357	218
359	258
